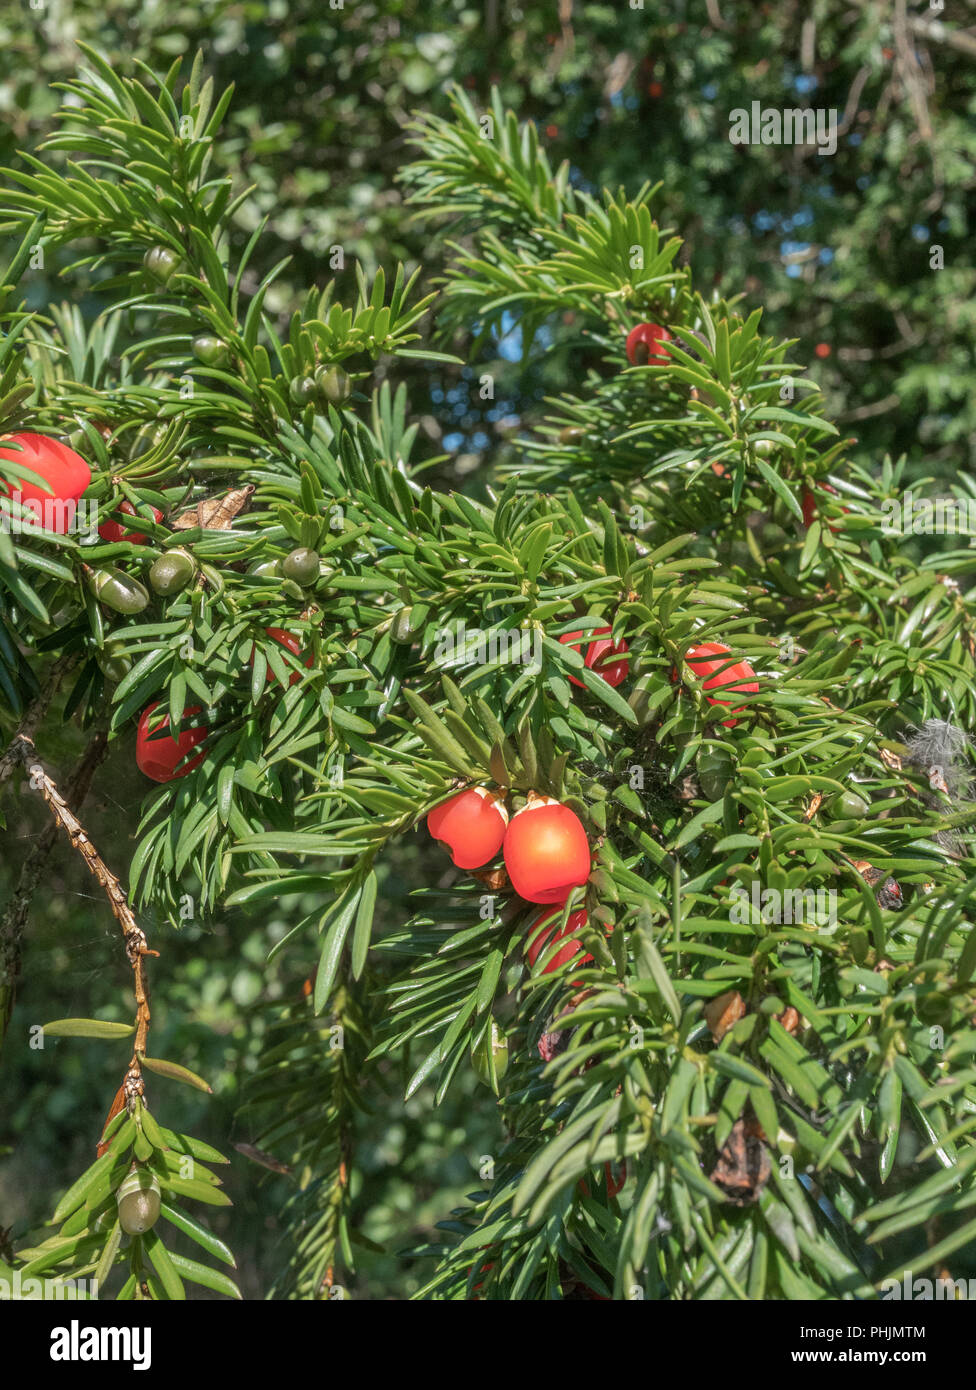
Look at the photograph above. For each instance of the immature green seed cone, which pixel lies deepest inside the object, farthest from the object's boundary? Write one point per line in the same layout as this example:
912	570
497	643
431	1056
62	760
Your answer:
301	566
118	591
333	385
213	352
138	1199
113	665
402	630
172	572
302	390
161	262
266	569
847	806
934	1008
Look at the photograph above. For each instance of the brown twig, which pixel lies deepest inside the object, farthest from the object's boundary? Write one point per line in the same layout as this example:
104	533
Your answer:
13	922
136	945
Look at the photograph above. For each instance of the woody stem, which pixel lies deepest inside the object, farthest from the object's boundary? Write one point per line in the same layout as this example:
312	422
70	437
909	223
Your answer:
136	946
13	921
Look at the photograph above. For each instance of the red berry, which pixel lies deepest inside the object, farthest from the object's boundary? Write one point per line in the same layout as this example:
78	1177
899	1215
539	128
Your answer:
547	853
289	640
810	508
822	350
541	938
645	345
66	473
614	1184
489	1264
115	531
708	660
654	89
471	826
600	655
158	754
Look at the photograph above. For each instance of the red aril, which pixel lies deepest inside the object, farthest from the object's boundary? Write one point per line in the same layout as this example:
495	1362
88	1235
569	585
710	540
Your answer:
543	935
66	473
810	509
115	531
607	658
547	853
471	826
291	642
158	754
710	662
645	345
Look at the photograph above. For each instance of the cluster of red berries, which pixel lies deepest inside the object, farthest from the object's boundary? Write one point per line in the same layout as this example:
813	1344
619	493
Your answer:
66	477
63	477
544	845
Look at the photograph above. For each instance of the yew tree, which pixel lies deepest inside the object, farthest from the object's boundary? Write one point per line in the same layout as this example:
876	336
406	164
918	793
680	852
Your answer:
691	722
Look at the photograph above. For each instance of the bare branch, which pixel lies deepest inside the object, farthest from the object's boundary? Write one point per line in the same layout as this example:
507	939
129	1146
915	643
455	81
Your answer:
13	922
136	945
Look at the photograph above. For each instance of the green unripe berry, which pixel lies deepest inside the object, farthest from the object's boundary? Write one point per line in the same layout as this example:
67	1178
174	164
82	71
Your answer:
118	591
301	566
112	664
213	352
172	572
333	385
139	1201
764	447
572	434
302	390
162	263
266	569
402	629
934	1008
848	806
